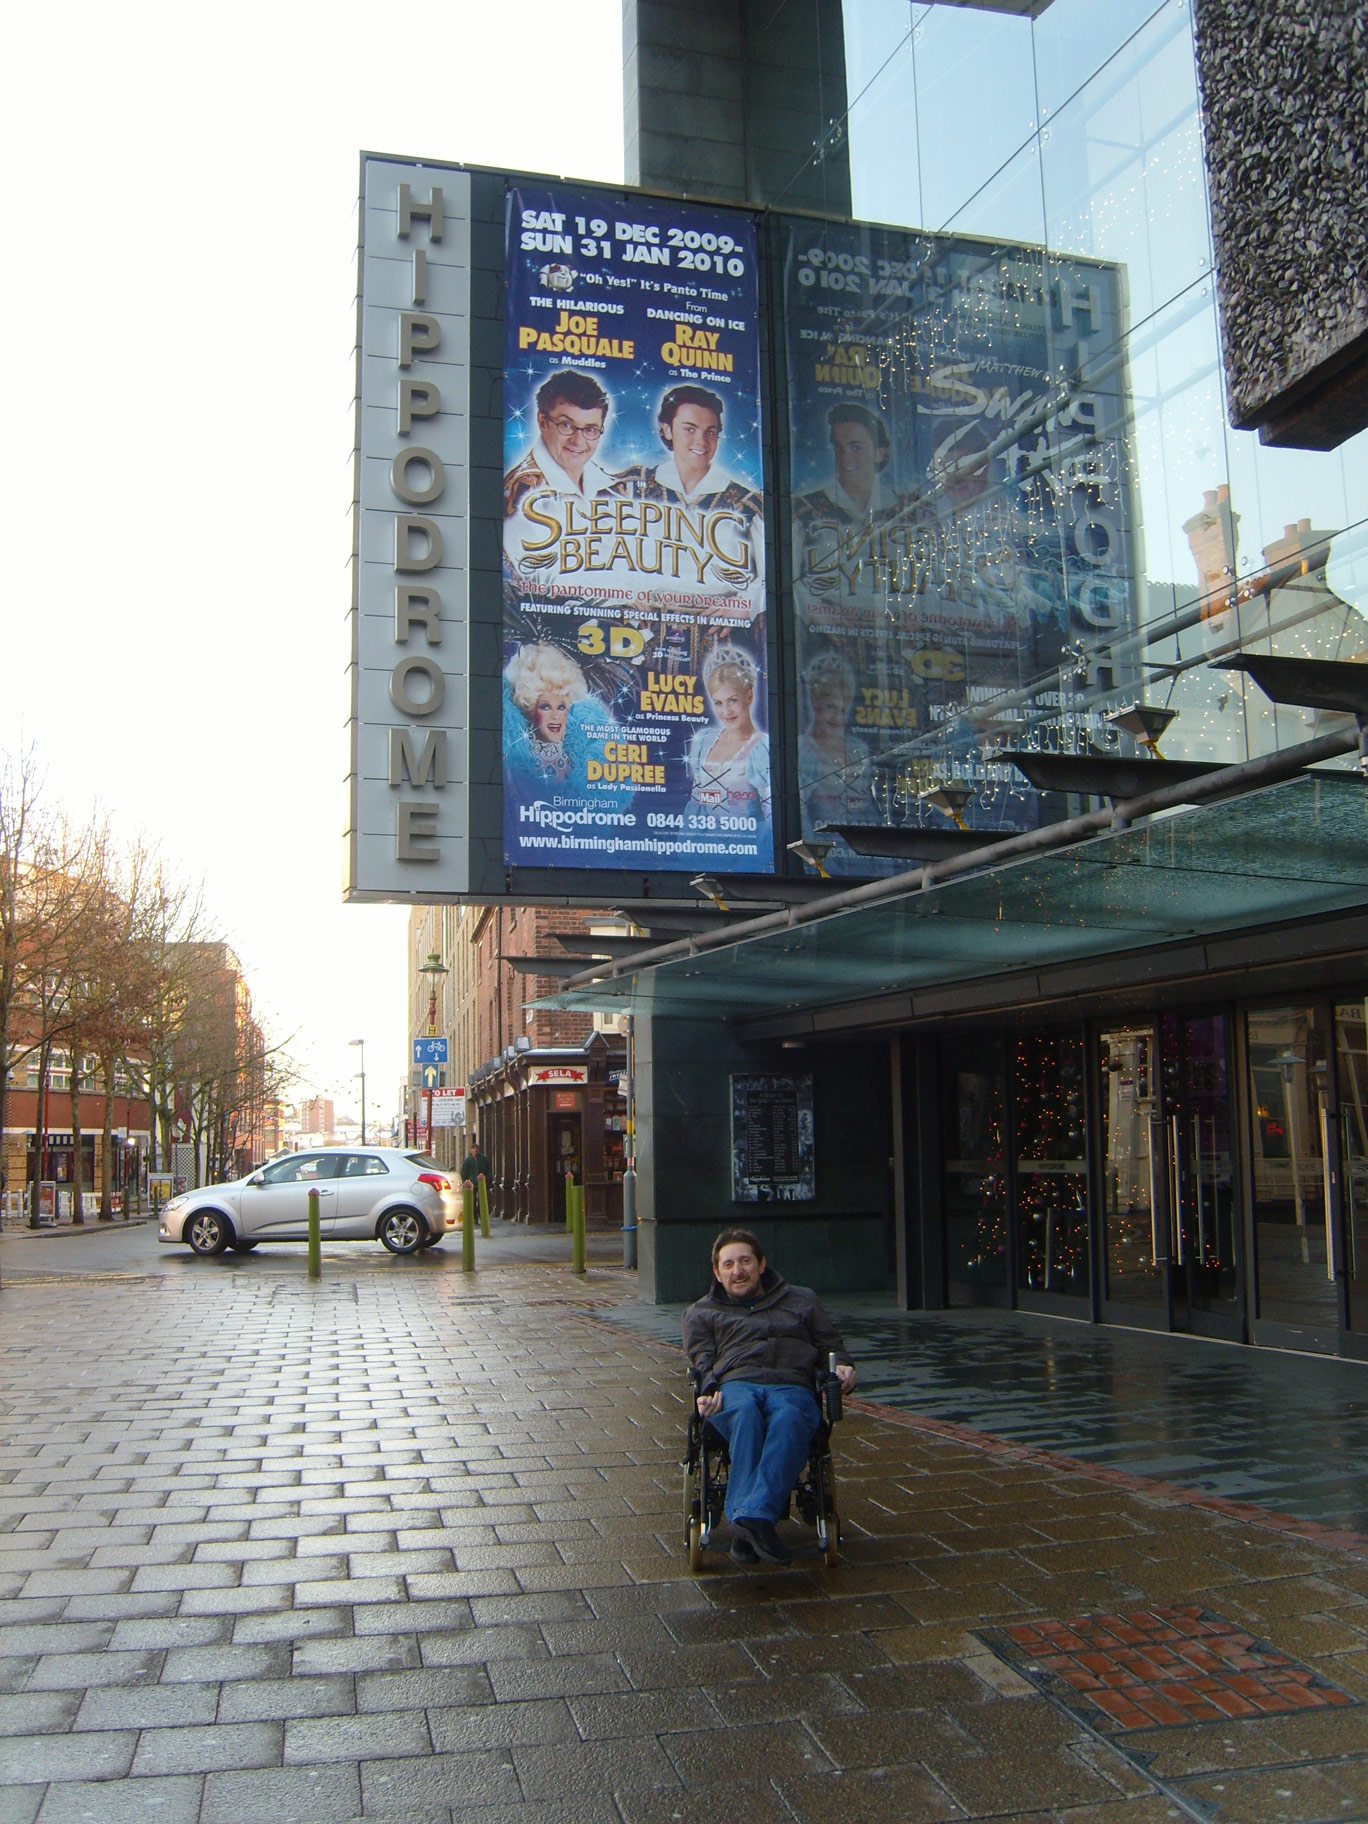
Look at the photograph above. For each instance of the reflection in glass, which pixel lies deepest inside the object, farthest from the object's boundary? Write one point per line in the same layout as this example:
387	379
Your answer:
973	1098
1351	1077
1134	1216
881	126
1123	169
962	516
1095	532
1073	39
1009	203
960	52
1287	1066
1050	1148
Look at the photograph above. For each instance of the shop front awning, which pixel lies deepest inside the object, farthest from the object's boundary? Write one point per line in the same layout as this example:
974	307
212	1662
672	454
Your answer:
1290	851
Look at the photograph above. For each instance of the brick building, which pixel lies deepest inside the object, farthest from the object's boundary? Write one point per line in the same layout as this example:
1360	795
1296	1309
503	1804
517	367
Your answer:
545	1089
51	1160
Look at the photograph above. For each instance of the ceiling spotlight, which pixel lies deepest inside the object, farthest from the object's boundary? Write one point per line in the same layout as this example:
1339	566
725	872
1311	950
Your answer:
813	850
949	800
1146	721
709	888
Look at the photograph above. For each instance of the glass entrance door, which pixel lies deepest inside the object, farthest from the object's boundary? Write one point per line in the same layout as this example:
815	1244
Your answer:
1134	1206
1167	1185
1050	1167
974	1119
1294	1201
1204	1263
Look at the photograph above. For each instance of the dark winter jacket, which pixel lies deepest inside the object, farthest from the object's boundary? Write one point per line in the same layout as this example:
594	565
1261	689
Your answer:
782	1335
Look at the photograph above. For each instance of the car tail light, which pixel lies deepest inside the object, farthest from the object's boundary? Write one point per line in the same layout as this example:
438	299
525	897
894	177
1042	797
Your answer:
436	1180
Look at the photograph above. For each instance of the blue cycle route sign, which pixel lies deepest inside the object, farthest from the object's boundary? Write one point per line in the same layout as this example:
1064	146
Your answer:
429	1051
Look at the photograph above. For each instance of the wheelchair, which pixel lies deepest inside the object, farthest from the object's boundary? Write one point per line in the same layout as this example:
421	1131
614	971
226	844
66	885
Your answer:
708	1460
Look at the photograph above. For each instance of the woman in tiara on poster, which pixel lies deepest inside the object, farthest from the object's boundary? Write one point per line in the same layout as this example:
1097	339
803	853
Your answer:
553	726
729	761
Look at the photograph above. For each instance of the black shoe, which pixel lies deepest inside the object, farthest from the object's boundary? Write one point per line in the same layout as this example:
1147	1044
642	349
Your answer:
742	1551
763	1540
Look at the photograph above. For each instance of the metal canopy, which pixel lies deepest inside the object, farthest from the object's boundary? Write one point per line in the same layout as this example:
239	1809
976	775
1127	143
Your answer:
1290	851
1107	775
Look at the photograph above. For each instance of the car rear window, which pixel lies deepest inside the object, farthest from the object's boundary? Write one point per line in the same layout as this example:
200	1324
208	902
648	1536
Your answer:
364	1165
422	1159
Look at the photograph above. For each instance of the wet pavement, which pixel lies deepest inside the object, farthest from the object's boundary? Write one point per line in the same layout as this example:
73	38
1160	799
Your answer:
407	1545
1287	1432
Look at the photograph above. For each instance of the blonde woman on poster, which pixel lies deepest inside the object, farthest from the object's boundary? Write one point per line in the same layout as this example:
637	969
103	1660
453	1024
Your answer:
553	727
729	760
833	765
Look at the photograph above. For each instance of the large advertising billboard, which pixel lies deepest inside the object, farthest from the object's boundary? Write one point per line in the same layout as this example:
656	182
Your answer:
961	514
635	714
563	676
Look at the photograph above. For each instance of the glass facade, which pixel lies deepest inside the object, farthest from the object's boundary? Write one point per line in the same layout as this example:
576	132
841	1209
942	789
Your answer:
1092	532
1217	1170
1010	507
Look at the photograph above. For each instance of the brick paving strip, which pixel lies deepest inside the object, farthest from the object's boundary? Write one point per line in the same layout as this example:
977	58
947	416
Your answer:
404	1547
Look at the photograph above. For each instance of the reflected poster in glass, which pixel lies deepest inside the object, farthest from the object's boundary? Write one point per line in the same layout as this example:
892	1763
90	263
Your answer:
964	549
635	699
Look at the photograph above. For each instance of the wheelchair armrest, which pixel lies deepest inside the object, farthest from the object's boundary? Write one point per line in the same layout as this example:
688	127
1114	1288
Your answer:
829	1396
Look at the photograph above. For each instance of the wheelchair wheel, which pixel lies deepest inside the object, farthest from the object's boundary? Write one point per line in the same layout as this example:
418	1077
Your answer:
691	1502
829	1522
694	1517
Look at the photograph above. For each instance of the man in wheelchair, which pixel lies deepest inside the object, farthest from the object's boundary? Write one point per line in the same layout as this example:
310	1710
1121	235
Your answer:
758	1349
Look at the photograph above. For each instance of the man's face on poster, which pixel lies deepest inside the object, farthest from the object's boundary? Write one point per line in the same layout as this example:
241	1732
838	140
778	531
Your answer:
961	470
694	435
571	433
857	459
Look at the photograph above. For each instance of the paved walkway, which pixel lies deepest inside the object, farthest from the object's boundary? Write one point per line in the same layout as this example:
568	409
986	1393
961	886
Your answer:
1287	1432
405	1546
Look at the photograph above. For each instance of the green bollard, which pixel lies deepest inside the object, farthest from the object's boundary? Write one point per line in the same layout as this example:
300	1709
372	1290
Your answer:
577	1232
569	1202
467	1226
315	1239
482	1192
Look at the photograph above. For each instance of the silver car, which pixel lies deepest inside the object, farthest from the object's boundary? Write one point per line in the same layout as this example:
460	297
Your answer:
374	1193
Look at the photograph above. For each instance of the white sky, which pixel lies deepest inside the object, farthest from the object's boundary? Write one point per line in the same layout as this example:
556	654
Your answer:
178	316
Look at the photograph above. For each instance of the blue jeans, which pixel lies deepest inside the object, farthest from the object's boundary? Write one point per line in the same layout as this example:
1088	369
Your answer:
768	1431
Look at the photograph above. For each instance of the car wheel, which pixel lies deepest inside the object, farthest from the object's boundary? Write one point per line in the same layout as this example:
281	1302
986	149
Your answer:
208	1232
433	1241
243	1247
402	1231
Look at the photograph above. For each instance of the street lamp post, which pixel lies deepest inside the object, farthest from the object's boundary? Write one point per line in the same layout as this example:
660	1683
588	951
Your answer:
362	1074
434	969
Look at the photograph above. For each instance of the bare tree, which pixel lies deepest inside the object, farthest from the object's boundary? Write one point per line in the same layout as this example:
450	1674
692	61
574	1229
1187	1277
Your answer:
106	955
20	819
50	873
170	935
112	998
